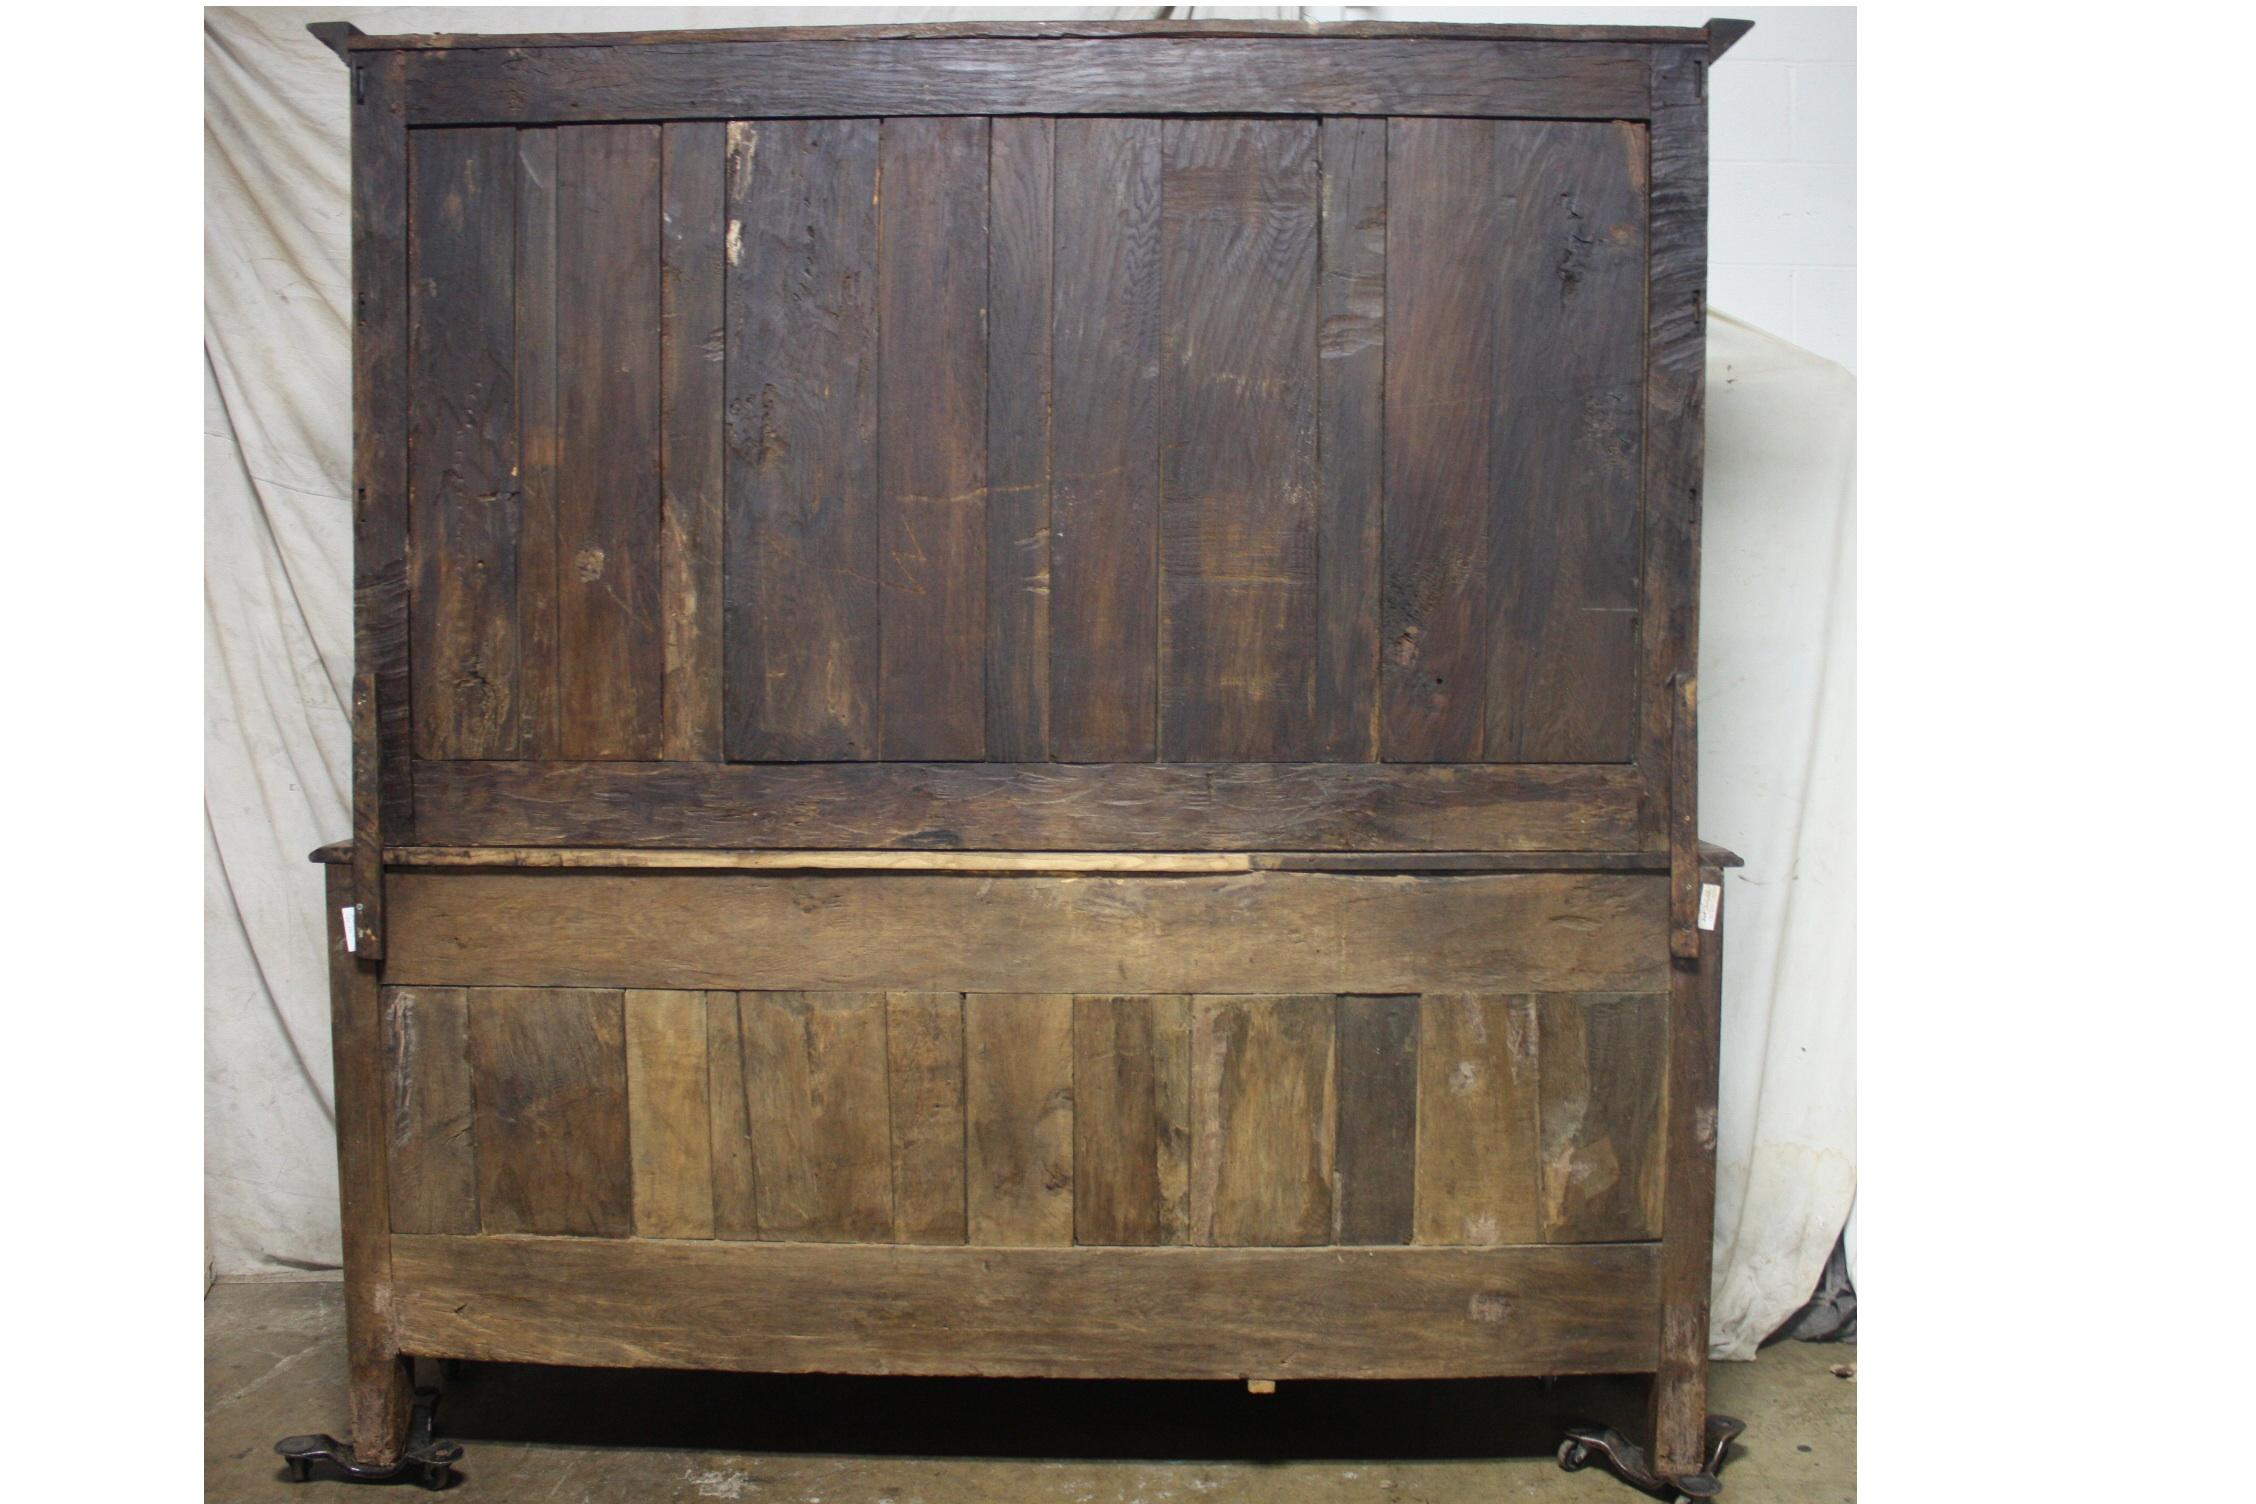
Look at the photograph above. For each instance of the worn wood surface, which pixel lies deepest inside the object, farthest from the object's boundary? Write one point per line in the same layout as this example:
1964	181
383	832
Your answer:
1502	32
431	1149
1152	1313
815	1092
612	857
669	1114
1261	1097
1131	1119
1032	807
549	1071
1302	931
539	452
692	338
1021	238
1377	1134
1603	1062
1018	1109
1477	1106
924	1044
1687	1248
736	1182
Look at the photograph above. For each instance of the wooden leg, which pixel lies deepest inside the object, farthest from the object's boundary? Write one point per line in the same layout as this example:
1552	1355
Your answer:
1680	1387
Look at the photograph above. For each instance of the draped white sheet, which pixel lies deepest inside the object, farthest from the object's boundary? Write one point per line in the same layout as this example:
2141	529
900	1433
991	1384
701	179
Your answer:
1778	677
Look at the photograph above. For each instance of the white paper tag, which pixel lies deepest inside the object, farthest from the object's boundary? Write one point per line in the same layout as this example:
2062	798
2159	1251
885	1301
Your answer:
352	930
1711	904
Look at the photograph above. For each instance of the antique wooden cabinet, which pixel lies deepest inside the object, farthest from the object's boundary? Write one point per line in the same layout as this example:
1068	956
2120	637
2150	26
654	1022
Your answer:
1025	707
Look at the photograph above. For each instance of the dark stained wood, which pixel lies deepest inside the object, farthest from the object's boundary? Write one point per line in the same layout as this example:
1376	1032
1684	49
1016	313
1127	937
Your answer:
549	1070
669	1114
430	1142
814	1082
382	698
1104	475
1352	412
736	1192
802	591
463	512
1378	1120
1695	1028
692	332
932	271
1148	1313
1477	1100
1022	214
539	734
1239	479
612	857
1565	461
1131	1119
1018	1104
974	806
380	1379
1683	826
924	1047
1502	32
956	76
1440	354
1263	1115
1602	1061
917	931
610	646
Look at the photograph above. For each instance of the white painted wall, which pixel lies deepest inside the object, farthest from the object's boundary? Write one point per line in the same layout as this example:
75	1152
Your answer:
1782	145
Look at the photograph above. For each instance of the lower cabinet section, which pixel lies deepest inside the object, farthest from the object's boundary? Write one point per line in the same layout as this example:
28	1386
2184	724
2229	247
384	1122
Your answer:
1013	1120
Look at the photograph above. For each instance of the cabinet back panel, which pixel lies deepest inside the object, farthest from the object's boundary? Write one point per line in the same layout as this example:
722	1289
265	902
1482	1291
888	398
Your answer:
949	439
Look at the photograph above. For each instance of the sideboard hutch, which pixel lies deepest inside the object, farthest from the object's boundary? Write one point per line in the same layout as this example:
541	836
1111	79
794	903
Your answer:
1024	706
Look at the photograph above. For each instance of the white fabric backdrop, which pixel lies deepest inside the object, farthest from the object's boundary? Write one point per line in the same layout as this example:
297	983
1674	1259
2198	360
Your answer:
1777	684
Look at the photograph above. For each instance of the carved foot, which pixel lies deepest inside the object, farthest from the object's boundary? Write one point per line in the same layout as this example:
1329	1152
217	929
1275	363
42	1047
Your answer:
1626	1460
426	1461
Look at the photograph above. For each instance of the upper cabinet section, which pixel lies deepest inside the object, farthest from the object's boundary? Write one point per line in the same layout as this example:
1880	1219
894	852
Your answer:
926	438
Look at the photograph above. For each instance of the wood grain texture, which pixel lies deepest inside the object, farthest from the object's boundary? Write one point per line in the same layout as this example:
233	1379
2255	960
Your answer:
431	1148
924	1043
1188	28
1018	1103
1263	1109
1034	807
1352	440
815	1089
736	1180
539	734
1604	1061
1150	1313
1695	1026
692	340
1237	416
926	932
932	274
550	1073
669	1114
1477	1100
1022	214
1131	1120
463	509
1377	1155
801	590
611	649
1440	359
1104	478
1565	451
1062	76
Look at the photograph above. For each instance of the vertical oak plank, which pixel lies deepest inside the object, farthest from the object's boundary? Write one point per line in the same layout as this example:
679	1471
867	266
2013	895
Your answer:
690	343
1440	359
1021	215
549	1066
736	1187
1378	1120
1603	1062
1680	1386
932	439
815	1089
1239	479
1018	1099
610	648
1104	619
463	512
1567	443
801	589
539	736
430	1136
1477	1098
1352	414
924	1042
1131	1127
669	1114
1262	1102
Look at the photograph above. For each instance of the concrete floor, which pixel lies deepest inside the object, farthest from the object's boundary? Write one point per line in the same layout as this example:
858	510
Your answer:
274	1365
